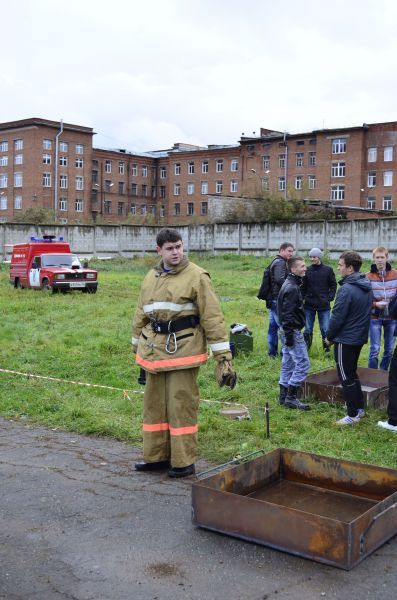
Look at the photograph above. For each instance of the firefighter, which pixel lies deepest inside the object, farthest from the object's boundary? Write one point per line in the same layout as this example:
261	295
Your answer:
177	315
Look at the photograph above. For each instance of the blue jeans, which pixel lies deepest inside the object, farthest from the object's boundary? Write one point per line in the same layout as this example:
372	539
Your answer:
375	333
295	363
272	333
323	320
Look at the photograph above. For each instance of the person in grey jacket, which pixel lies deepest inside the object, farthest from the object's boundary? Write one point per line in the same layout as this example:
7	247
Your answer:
348	331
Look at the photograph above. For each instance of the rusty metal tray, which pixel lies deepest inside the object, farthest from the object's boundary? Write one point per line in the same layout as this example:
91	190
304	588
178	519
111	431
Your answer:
325	387
332	511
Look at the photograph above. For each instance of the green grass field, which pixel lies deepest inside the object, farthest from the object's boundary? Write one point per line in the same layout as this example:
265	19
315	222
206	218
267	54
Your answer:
86	338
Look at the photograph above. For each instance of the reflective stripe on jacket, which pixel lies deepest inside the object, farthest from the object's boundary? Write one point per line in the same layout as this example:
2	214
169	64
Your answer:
185	291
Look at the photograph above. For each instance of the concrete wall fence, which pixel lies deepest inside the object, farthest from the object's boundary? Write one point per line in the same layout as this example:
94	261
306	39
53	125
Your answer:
241	238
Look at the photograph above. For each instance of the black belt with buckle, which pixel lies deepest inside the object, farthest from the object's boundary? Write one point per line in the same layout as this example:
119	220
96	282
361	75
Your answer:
176	325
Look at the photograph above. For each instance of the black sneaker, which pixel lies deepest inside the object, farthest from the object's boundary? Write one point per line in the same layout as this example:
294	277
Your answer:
160	465
182	471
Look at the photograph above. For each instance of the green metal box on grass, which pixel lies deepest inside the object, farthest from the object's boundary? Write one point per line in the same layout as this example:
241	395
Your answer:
243	341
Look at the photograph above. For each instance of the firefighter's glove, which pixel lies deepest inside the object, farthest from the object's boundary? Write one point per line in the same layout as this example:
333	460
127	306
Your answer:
289	339
225	375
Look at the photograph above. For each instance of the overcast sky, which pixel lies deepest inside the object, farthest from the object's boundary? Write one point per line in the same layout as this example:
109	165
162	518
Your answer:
147	74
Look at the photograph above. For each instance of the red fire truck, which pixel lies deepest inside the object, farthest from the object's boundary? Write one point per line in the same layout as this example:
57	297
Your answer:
47	264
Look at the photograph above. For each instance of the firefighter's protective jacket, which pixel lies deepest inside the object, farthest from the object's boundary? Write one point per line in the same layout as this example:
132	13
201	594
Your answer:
167	296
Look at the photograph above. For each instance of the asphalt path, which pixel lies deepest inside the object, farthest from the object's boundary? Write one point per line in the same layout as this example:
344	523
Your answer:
78	523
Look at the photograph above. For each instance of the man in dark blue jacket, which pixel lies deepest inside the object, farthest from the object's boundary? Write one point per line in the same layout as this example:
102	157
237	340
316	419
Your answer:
348	331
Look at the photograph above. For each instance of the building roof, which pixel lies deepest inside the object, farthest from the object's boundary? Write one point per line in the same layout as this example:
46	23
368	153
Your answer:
38	122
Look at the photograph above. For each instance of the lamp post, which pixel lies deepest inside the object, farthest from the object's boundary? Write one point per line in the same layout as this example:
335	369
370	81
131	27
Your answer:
259	177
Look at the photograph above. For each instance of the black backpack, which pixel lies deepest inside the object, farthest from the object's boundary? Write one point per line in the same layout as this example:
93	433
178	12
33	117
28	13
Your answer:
265	291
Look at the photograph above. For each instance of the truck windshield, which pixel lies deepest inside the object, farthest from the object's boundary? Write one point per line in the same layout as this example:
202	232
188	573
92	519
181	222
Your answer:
60	260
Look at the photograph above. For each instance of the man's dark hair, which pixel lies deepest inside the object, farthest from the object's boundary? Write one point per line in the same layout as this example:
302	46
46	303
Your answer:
285	245
291	262
167	235
352	259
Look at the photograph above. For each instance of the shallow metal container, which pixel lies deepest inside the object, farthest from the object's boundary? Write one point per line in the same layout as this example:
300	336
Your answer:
325	387
332	511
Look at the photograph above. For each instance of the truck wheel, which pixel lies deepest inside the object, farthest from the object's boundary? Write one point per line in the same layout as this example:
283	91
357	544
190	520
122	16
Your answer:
45	286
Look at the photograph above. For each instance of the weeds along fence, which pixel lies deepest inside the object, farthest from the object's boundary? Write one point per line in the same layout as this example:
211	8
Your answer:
333	237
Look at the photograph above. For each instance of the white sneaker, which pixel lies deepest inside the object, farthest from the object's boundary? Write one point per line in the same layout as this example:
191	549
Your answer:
349	420
386	425
361	413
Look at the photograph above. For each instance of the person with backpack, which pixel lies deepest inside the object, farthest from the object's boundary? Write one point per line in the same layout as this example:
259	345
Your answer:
273	278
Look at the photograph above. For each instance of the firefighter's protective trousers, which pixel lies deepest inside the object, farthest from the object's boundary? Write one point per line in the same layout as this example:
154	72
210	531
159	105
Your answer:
170	417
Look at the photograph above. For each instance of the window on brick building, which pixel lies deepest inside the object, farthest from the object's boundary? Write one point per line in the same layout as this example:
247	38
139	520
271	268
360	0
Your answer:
120	208
163	172
162	191
4	146
219	166
387	203
144	171
63	146
234	165
388	178
312	159
190	208
121	187
107	207
3	180
177	168
3	202
371	202
177	209
312	182
338	169
79	183
108	166
18	179
144	190
204	187
18	159
79	149
388	153
281	161
266	162
133	209
63	204
298	182
3	161
177	189
143	209
108	185
94	175
204	208
204	166
134	189
281	184
371	179
47	144
134	169
299	158
162	211
63	161
78	205
46	159
18	144
79	163
218	187
63	182
265	184
190	167
337	192
121	167
372	154
46	180
234	185
339	146
190	189
152	209
18	202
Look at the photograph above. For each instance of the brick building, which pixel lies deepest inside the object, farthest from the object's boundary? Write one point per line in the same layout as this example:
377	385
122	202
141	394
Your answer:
55	166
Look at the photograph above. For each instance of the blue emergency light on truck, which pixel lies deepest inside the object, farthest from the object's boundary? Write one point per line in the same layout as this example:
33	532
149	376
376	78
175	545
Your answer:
47	264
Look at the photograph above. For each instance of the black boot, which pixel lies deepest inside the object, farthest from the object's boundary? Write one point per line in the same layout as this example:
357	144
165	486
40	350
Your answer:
308	337
291	400
283	394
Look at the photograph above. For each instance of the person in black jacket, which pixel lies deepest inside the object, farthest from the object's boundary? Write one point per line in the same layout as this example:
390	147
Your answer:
318	290
348	331
278	274
291	316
